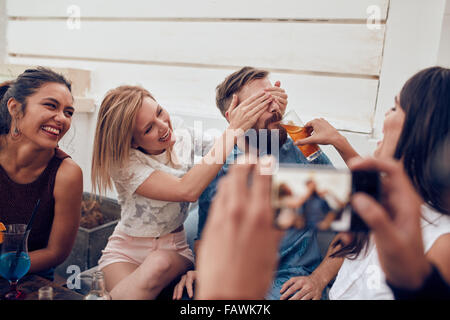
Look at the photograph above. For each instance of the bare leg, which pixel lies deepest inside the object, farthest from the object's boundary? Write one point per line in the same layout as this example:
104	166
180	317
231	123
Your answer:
116	272
127	281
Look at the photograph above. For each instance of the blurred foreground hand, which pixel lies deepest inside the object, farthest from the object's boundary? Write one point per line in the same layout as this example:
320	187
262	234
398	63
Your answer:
395	223
239	250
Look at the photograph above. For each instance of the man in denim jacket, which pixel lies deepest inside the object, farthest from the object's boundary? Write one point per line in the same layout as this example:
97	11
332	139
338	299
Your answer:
299	250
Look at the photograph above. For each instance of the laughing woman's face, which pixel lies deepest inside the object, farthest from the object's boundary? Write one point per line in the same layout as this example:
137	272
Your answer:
392	128
153	130
47	116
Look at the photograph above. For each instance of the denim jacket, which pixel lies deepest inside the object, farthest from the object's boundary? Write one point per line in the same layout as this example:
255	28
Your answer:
299	252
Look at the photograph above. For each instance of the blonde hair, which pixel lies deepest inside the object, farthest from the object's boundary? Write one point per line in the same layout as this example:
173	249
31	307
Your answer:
114	133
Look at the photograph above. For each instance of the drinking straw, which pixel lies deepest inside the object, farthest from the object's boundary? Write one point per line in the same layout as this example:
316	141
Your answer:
33	214
20	248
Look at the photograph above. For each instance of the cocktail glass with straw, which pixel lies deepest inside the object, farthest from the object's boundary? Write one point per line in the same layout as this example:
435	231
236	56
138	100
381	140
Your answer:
14	258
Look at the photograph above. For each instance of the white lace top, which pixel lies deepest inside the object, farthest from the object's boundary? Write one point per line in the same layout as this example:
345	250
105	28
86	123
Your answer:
145	217
363	278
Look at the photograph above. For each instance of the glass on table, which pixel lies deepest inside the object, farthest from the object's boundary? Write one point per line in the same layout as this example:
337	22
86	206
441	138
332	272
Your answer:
98	288
296	130
14	258
46	293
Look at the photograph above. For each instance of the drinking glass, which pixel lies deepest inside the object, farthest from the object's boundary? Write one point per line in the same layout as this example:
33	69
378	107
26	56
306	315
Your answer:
296	130
14	258
45	293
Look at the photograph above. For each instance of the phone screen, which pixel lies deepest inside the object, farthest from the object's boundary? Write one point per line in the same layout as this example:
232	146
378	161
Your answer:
315	197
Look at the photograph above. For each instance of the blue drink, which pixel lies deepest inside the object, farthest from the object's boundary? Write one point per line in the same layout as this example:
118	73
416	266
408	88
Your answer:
22	267
14	266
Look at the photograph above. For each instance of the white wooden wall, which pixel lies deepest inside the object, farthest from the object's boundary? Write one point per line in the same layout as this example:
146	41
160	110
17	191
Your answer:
3	24
444	47
412	42
328	54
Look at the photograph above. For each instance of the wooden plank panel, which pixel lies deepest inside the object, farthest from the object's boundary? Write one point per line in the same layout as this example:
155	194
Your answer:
412	43
3	25
84	105
444	46
81	79
348	103
81	82
362	143
253	9
335	48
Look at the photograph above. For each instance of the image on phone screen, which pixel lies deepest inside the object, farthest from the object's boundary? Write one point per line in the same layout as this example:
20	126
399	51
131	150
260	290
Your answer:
314	197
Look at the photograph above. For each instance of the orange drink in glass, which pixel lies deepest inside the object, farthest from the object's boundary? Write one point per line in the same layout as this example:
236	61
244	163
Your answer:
296	130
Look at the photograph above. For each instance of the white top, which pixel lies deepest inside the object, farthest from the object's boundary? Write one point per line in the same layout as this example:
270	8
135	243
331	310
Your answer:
145	217
363	278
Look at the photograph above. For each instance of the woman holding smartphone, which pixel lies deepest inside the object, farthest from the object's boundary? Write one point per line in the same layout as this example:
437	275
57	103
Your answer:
413	128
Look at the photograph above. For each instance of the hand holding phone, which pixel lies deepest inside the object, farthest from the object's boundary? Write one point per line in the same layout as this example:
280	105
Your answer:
367	181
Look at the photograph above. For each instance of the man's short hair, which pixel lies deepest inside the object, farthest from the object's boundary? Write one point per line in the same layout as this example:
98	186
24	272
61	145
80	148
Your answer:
234	83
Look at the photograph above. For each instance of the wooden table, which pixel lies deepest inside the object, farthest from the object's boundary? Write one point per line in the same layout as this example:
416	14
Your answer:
31	284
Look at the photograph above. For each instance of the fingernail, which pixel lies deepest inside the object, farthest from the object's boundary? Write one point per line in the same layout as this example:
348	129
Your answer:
359	203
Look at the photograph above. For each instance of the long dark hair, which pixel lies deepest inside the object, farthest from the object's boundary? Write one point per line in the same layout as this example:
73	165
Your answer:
425	99
21	88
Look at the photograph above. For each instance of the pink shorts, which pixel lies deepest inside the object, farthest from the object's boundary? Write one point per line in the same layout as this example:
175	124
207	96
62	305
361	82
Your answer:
124	248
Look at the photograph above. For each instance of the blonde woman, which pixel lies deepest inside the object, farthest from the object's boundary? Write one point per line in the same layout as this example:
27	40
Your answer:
139	150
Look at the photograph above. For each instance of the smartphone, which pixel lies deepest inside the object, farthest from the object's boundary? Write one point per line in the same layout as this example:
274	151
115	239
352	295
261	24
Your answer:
318	197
